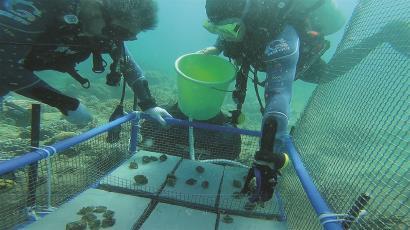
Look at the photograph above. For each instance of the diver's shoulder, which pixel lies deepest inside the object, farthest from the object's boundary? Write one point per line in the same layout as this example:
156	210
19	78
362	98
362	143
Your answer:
24	16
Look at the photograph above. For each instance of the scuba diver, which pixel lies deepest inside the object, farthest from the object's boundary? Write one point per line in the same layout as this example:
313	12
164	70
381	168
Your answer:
320	72
285	39
266	36
59	34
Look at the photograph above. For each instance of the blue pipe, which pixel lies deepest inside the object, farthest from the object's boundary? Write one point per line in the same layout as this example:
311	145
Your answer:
178	122
314	195
31	157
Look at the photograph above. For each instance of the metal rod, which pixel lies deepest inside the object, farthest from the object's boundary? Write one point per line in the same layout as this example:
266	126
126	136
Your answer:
191	141
33	168
49	207
315	198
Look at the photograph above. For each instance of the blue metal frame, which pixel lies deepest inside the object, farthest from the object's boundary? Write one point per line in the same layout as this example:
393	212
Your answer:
31	157
200	125
313	194
315	198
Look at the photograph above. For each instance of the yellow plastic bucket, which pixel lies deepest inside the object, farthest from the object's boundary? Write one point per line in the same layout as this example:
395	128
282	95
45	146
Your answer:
202	84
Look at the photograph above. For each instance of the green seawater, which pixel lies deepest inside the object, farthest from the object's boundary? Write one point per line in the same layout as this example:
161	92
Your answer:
179	32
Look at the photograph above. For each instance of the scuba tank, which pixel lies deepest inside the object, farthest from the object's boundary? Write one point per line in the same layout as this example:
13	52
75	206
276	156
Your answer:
323	16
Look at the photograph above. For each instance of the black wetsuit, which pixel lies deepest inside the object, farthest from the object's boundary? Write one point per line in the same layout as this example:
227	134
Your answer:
21	23
279	58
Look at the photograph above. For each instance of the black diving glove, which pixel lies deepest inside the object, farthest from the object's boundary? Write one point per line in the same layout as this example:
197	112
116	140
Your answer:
266	176
266	180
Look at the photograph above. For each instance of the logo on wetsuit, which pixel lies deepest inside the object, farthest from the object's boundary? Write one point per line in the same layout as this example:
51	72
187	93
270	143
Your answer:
276	47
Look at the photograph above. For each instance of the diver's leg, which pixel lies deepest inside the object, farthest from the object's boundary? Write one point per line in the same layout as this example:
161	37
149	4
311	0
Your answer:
41	91
395	33
75	112
24	82
281	60
29	85
317	73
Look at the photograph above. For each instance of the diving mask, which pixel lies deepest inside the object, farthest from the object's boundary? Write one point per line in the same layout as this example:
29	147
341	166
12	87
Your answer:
229	30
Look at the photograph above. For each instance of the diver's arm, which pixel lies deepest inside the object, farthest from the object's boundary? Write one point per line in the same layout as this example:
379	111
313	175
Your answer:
73	110
212	50
281	57
136	80
216	49
281	60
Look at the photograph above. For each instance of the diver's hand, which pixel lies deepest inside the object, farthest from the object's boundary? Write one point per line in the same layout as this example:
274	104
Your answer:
266	180
80	116
266	174
212	50
158	114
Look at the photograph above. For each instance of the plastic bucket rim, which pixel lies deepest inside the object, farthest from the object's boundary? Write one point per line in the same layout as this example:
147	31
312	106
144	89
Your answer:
197	81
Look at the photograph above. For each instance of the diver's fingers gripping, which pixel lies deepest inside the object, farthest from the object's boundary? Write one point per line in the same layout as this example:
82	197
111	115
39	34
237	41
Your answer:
160	119
166	114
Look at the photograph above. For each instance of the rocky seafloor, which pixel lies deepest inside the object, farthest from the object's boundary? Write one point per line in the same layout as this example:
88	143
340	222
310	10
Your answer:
101	101
87	161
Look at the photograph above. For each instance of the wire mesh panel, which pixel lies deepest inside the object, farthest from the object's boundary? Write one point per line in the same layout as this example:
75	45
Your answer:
215	188
52	181
208	144
299	212
354	134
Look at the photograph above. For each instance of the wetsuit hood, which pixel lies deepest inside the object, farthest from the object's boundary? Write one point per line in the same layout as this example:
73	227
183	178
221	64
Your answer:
218	10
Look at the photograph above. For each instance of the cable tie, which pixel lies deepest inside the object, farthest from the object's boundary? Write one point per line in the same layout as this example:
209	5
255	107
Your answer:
48	153
336	215
54	150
